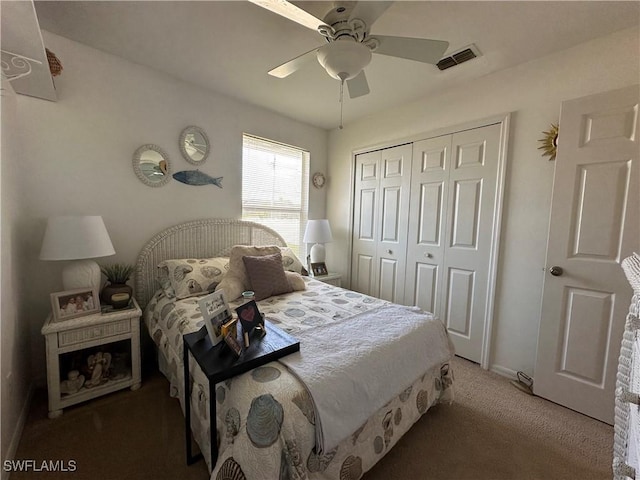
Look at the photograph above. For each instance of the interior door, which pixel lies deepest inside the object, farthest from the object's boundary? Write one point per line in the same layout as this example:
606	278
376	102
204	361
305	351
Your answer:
393	219
380	222
365	223
593	226
471	216
426	239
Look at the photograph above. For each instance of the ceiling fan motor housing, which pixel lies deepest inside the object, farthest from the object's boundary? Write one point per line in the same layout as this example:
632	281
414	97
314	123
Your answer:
344	59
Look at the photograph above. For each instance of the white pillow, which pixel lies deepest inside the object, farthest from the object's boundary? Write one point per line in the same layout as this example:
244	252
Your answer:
194	276
291	263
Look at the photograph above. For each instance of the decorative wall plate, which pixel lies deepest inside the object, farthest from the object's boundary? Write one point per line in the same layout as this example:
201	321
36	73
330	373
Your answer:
318	180
550	142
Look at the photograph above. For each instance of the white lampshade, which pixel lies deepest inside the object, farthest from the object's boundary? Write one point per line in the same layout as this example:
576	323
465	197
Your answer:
77	238
317	232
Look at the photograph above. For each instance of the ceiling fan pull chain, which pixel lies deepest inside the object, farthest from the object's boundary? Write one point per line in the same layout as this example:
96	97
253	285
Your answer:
341	100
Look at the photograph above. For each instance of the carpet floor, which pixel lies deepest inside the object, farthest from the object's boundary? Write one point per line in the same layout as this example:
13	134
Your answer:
492	431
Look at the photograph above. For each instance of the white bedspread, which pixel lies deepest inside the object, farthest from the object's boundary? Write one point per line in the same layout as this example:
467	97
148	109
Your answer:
347	383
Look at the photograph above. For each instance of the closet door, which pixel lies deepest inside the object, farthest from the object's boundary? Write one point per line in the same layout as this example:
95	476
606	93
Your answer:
426	238
471	216
453	213
381	217
393	218
365	223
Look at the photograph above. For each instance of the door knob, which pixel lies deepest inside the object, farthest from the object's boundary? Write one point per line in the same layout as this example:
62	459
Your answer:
556	271
390	252
428	255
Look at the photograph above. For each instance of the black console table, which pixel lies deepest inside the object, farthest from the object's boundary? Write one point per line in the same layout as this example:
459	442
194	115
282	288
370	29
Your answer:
219	363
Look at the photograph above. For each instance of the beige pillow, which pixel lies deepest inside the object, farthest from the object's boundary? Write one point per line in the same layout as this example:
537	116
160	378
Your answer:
193	276
236	281
266	275
296	281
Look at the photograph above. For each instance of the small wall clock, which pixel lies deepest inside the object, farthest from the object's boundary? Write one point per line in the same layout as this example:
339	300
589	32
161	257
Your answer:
318	180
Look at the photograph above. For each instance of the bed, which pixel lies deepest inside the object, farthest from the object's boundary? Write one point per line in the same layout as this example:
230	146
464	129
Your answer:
266	425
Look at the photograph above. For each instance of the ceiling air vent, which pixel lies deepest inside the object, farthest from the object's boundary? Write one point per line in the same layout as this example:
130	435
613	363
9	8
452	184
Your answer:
461	56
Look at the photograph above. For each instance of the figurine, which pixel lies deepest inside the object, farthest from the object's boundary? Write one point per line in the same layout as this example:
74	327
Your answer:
73	383
99	368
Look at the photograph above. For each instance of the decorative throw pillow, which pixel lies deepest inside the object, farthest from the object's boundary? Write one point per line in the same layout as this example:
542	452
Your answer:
236	280
296	281
291	263
191	277
266	275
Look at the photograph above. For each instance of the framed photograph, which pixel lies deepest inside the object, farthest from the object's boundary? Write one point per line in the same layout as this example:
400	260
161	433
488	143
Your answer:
215	312
249	315
74	303
319	269
233	344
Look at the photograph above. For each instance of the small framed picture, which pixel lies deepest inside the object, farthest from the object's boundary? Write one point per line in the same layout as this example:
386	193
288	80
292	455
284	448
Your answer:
74	303
319	269
215	312
249	315
233	344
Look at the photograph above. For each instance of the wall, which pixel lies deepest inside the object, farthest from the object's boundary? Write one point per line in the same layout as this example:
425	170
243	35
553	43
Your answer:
78	159
533	92
14	347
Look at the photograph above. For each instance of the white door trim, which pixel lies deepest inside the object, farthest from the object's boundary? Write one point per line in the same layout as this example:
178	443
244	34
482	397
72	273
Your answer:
504	121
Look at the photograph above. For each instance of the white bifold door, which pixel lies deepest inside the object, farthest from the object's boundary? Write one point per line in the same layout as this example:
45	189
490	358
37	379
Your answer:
425	225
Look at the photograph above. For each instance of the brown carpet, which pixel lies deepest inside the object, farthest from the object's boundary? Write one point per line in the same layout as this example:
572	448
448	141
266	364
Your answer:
492	431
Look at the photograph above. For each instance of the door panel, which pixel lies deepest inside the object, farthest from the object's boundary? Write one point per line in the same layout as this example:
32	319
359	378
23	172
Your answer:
365	228
472	203
602	197
594	225
394	221
459	292
425	247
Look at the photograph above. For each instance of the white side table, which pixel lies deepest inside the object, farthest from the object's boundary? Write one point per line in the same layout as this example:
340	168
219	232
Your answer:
70	343
330	278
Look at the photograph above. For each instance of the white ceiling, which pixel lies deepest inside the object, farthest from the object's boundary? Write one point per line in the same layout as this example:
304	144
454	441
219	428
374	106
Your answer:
228	46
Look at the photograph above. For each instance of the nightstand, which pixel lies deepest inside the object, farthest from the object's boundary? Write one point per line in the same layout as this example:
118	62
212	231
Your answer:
77	345
330	278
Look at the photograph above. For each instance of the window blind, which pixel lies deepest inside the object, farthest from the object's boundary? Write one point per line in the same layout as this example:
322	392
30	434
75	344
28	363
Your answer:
275	188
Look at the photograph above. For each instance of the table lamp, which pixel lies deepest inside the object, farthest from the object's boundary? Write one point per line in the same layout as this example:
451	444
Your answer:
317	232
77	238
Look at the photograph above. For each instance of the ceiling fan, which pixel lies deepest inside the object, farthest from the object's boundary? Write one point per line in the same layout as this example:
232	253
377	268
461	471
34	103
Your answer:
346	29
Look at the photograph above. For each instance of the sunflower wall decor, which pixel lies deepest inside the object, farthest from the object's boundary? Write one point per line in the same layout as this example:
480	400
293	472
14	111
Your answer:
550	142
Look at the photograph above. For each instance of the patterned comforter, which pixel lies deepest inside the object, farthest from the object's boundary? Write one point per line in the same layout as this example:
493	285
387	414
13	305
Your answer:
265	425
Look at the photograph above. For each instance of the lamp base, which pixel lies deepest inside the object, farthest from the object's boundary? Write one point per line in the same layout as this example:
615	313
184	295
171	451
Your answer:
317	253
81	274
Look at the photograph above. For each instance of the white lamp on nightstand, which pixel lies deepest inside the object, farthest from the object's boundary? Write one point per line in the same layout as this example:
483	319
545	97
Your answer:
77	238
318	232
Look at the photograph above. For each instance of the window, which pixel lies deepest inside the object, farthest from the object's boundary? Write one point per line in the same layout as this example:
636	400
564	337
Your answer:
275	188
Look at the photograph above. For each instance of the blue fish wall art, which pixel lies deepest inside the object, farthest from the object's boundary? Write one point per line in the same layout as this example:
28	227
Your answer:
196	177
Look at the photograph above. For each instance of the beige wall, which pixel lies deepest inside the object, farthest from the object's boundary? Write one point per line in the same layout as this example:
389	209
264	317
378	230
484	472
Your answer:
14	329
533	92
78	158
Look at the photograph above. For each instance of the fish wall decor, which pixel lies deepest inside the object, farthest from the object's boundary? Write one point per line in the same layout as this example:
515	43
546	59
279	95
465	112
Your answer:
196	177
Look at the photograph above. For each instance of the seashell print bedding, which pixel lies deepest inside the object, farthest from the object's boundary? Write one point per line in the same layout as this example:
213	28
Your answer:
265	425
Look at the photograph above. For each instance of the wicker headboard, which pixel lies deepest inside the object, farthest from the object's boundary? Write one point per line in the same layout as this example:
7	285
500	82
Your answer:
207	238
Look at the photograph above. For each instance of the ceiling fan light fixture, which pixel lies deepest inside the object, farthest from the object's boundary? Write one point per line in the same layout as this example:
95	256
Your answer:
344	59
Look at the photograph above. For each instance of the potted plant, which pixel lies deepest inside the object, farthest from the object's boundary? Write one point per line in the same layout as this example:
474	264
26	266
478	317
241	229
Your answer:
116	292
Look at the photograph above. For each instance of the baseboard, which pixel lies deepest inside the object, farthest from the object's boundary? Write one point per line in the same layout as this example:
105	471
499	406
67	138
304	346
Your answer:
504	371
17	433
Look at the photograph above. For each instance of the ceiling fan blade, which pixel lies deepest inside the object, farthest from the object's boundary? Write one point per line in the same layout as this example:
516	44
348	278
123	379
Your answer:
358	85
289	10
418	49
369	11
294	64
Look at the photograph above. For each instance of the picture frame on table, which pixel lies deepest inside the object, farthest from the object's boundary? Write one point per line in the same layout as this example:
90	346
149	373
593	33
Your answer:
74	303
319	269
216	312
